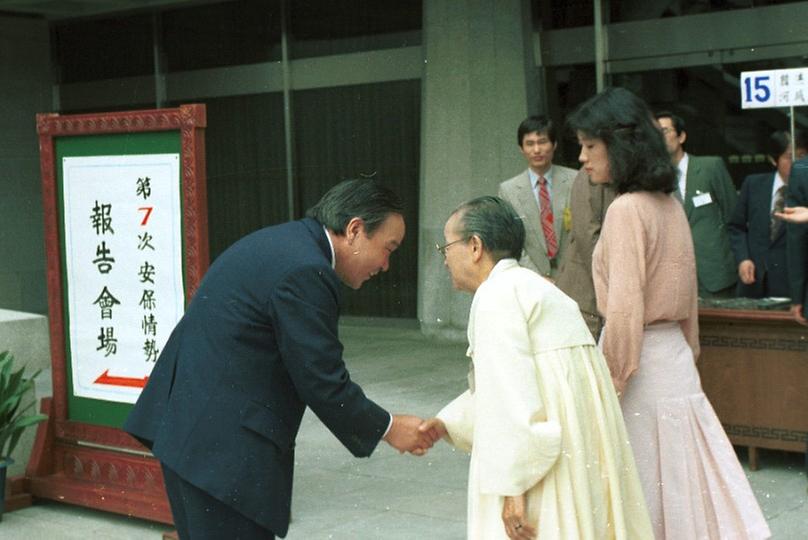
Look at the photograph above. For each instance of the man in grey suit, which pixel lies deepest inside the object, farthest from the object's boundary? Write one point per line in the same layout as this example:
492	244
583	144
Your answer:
540	196
588	204
709	196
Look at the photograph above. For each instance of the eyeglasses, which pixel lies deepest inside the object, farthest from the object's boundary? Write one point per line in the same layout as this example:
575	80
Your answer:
442	249
667	130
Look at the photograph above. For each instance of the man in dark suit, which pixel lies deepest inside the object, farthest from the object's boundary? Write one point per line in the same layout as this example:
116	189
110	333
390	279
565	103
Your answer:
708	195
258	344
797	242
758	239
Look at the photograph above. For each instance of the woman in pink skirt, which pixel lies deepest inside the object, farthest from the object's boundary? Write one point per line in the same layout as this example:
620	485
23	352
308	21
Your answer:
644	272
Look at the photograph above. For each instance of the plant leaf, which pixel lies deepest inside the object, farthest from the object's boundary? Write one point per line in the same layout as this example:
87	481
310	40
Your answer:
13	418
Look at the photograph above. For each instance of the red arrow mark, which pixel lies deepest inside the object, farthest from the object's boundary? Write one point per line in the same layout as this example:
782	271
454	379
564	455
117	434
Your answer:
111	380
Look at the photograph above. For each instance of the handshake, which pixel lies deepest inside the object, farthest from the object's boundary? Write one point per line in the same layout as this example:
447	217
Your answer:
414	435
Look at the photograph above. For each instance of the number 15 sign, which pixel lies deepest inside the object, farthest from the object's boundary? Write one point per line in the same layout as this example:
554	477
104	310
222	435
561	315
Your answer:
774	88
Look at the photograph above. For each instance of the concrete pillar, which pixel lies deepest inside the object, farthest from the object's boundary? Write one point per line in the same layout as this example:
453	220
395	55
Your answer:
25	91
477	69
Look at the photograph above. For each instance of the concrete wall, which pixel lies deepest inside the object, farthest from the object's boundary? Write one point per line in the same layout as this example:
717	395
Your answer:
25	89
475	93
25	335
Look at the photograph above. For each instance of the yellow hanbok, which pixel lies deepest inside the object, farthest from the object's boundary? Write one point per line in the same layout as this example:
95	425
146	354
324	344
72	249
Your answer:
541	416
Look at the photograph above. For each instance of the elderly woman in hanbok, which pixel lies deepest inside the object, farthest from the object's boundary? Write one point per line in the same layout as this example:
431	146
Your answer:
549	450
644	272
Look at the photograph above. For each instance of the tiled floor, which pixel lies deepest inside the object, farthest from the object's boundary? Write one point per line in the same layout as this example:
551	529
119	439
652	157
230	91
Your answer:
390	496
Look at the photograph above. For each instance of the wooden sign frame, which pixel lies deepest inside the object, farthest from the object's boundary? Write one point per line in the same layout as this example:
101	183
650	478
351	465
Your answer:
78	462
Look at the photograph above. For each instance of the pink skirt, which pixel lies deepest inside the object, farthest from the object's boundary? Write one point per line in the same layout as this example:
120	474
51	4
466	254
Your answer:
693	484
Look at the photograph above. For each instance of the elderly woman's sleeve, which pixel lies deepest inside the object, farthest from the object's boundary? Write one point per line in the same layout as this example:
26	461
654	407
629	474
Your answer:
458	417
514	441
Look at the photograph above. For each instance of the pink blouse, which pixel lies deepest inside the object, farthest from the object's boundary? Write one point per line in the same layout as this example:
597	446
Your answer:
644	271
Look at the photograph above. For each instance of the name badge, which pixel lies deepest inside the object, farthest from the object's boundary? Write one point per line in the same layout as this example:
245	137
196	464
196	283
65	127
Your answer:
702	199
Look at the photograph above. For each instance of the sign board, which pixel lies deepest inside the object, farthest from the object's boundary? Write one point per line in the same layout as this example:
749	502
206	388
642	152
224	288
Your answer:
123	262
126	244
774	88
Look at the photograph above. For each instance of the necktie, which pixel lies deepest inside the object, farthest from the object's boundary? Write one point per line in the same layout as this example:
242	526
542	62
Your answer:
779	203
677	192
547	218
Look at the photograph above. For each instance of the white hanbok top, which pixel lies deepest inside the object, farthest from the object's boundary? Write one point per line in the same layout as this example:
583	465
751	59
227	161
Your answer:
541	416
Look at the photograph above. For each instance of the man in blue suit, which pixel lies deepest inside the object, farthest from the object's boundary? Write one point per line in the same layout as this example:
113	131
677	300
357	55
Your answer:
758	239
256	346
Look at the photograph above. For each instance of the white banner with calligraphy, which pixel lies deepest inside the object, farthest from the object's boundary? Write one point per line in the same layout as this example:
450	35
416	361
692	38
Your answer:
123	263
774	88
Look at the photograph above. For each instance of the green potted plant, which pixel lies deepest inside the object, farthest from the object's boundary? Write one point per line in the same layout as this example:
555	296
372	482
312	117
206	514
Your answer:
14	417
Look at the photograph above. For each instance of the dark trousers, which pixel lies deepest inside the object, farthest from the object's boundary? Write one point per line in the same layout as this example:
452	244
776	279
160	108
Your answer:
198	516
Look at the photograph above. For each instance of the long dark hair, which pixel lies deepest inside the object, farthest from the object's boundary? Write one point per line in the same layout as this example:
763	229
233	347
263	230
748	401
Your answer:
638	158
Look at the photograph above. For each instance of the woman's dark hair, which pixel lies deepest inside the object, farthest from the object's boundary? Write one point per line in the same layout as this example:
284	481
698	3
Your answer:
364	198
638	158
496	223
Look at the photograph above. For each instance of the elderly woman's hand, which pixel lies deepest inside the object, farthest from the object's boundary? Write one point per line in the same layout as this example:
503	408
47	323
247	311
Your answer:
514	516
434	428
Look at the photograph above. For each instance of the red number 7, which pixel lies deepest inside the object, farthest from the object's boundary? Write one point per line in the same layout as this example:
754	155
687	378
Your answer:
148	210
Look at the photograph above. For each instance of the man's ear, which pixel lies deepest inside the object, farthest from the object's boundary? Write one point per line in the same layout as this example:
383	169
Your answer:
355	226
476	248
682	137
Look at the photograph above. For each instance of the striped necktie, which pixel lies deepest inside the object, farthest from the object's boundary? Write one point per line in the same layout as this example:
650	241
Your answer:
547	218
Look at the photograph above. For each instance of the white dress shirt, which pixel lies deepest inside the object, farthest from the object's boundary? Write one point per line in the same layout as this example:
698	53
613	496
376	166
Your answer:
682	168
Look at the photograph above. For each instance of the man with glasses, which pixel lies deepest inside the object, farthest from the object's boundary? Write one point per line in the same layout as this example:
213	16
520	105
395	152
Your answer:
708	195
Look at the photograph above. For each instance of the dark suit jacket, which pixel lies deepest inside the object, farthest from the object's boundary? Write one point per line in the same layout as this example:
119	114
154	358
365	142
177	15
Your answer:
750	238
715	264
797	236
257	344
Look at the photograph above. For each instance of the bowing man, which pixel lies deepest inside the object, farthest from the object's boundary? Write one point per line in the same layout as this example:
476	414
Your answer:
256	346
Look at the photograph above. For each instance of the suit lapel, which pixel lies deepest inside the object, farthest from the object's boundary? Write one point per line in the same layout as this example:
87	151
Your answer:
319	234
692	183
529	207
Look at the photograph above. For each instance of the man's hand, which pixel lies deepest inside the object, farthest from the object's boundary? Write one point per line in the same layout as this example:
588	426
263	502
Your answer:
404	435
797	214
434	427
796	312
746	271
514	516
